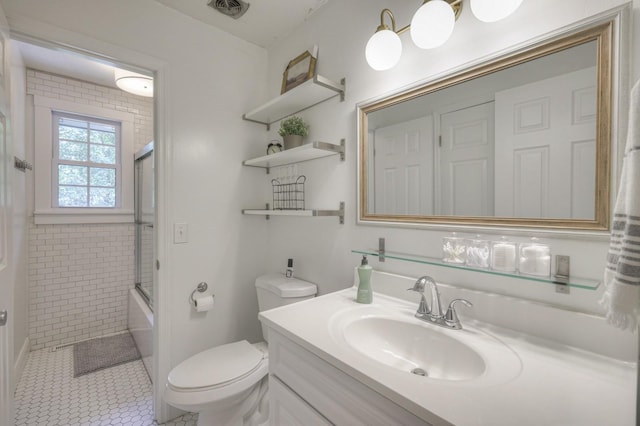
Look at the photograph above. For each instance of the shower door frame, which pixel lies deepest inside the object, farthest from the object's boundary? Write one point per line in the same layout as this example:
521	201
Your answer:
140	156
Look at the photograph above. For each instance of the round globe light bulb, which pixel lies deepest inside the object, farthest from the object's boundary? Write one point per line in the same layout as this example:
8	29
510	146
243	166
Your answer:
432	24
383	50
494	10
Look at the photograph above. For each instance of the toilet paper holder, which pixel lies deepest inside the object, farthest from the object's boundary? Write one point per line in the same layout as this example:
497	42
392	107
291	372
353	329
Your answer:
201	288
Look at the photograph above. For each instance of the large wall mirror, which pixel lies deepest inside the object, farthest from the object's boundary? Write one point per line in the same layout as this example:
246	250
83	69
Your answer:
522	141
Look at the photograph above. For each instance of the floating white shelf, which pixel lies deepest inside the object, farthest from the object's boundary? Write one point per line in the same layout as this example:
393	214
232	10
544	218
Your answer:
299	154
304	96
300	213
583	283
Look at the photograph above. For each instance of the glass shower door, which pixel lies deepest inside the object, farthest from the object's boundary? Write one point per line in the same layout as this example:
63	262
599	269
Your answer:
144	215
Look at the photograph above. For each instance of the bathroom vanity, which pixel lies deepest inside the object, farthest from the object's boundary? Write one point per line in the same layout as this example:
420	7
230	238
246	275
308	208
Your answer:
334	361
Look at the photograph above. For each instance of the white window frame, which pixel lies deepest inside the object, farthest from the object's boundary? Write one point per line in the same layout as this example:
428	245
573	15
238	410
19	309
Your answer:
45	212
57	161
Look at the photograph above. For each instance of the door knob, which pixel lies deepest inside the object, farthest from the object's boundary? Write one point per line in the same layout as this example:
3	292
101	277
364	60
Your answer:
3	317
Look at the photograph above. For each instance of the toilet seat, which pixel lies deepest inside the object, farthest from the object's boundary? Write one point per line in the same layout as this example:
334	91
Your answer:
216	374
216	367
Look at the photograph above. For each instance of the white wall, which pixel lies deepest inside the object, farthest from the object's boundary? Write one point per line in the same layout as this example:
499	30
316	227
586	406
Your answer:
321	246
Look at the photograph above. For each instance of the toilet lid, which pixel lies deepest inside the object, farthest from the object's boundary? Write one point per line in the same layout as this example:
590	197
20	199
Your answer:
216	366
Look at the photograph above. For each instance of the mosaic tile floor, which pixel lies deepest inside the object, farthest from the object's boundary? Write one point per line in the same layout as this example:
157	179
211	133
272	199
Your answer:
48	395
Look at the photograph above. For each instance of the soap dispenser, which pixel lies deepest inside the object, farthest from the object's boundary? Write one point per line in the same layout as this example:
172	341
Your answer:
365	294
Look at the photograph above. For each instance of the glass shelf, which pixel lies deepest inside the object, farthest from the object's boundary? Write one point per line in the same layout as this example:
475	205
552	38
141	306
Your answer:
306	95
299	154
583	283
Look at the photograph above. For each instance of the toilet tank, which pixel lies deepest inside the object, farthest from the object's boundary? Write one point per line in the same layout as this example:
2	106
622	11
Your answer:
276	290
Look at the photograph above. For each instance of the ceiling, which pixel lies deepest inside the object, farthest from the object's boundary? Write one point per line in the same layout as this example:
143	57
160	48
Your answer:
264	23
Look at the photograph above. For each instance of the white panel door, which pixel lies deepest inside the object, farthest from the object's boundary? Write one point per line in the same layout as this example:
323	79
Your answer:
545	152
6	274
466	162
6	239
6	285
403	164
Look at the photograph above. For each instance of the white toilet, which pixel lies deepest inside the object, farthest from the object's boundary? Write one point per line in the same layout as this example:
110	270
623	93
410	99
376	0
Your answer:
227	385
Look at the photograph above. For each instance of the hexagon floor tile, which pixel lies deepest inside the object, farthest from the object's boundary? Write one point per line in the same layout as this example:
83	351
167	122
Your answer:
49	395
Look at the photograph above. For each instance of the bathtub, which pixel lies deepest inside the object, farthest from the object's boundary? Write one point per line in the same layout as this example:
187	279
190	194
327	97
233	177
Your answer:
140	324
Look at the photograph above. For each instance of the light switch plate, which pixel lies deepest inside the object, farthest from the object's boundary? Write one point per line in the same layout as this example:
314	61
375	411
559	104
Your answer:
180	233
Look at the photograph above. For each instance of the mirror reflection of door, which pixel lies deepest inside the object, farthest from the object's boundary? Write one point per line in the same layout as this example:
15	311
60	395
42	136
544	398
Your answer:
546	148
403	163
466	162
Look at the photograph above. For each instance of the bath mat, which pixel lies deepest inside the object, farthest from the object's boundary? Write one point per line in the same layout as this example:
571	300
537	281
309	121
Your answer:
98	354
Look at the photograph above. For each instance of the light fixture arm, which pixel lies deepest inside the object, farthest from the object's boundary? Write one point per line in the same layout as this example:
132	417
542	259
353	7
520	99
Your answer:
431	26
384	26
456	5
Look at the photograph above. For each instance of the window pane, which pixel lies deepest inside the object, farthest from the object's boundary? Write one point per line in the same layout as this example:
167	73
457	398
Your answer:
103	154
77	151
72	133
72	196
72	175
102	177
102	197
107	138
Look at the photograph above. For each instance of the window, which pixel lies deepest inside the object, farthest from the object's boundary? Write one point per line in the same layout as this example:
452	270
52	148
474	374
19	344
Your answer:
83	164
86	162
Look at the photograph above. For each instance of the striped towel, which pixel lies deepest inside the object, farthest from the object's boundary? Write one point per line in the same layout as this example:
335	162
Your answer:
622	272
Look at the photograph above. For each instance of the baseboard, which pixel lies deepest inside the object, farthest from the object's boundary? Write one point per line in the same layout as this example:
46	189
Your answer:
21	361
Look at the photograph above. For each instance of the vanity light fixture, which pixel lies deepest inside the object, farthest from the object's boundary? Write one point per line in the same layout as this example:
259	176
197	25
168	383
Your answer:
138	84
430	27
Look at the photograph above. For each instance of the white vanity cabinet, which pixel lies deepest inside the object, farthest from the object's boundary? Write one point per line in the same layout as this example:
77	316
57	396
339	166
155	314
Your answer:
306	390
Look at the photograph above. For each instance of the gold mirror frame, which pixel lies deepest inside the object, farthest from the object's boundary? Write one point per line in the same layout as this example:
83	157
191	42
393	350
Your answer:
602	35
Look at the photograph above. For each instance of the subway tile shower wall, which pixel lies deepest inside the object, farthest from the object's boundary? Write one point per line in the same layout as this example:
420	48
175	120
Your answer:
79	275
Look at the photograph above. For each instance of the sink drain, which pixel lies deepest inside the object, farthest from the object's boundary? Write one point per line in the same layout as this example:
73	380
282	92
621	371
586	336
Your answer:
419	372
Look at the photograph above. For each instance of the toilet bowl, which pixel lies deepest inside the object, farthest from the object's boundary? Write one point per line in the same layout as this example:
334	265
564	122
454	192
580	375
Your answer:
227	385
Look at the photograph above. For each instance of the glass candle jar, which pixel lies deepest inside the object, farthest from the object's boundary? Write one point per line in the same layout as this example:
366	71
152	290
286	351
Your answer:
454	249
478	253
534	258
503	255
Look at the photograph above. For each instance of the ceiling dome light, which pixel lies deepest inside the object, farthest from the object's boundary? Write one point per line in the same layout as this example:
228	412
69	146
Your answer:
135	83
383	50
494	10
432	24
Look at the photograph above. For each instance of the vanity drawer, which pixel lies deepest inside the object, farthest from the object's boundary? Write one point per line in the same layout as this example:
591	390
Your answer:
288	409
337	396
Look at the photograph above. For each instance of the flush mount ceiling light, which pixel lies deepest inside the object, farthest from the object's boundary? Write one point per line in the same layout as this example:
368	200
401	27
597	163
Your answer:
431	26
138	84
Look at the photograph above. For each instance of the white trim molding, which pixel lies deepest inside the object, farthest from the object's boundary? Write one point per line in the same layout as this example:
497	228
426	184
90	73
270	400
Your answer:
44	212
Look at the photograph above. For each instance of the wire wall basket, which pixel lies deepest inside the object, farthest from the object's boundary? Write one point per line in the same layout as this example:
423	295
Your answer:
288	196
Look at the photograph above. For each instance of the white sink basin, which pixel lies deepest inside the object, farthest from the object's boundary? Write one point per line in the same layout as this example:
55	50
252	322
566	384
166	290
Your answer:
413	348
398	341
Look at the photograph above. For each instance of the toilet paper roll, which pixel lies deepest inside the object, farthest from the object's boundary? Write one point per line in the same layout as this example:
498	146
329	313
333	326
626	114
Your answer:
203	303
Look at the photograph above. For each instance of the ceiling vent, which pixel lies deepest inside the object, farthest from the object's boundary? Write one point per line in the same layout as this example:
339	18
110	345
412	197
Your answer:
232	8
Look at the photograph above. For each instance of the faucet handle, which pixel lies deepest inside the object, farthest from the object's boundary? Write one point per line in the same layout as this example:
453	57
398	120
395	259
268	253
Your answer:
451	317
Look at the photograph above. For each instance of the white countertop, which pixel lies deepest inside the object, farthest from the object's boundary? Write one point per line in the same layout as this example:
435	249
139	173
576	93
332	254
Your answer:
556	385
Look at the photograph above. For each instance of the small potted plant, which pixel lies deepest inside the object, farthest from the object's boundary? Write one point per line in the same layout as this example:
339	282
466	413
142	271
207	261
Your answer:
293	130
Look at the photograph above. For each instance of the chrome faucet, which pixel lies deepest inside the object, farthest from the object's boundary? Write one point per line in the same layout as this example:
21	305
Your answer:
433	313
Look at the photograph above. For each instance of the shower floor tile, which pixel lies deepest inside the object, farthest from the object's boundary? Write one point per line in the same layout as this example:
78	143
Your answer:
48	395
